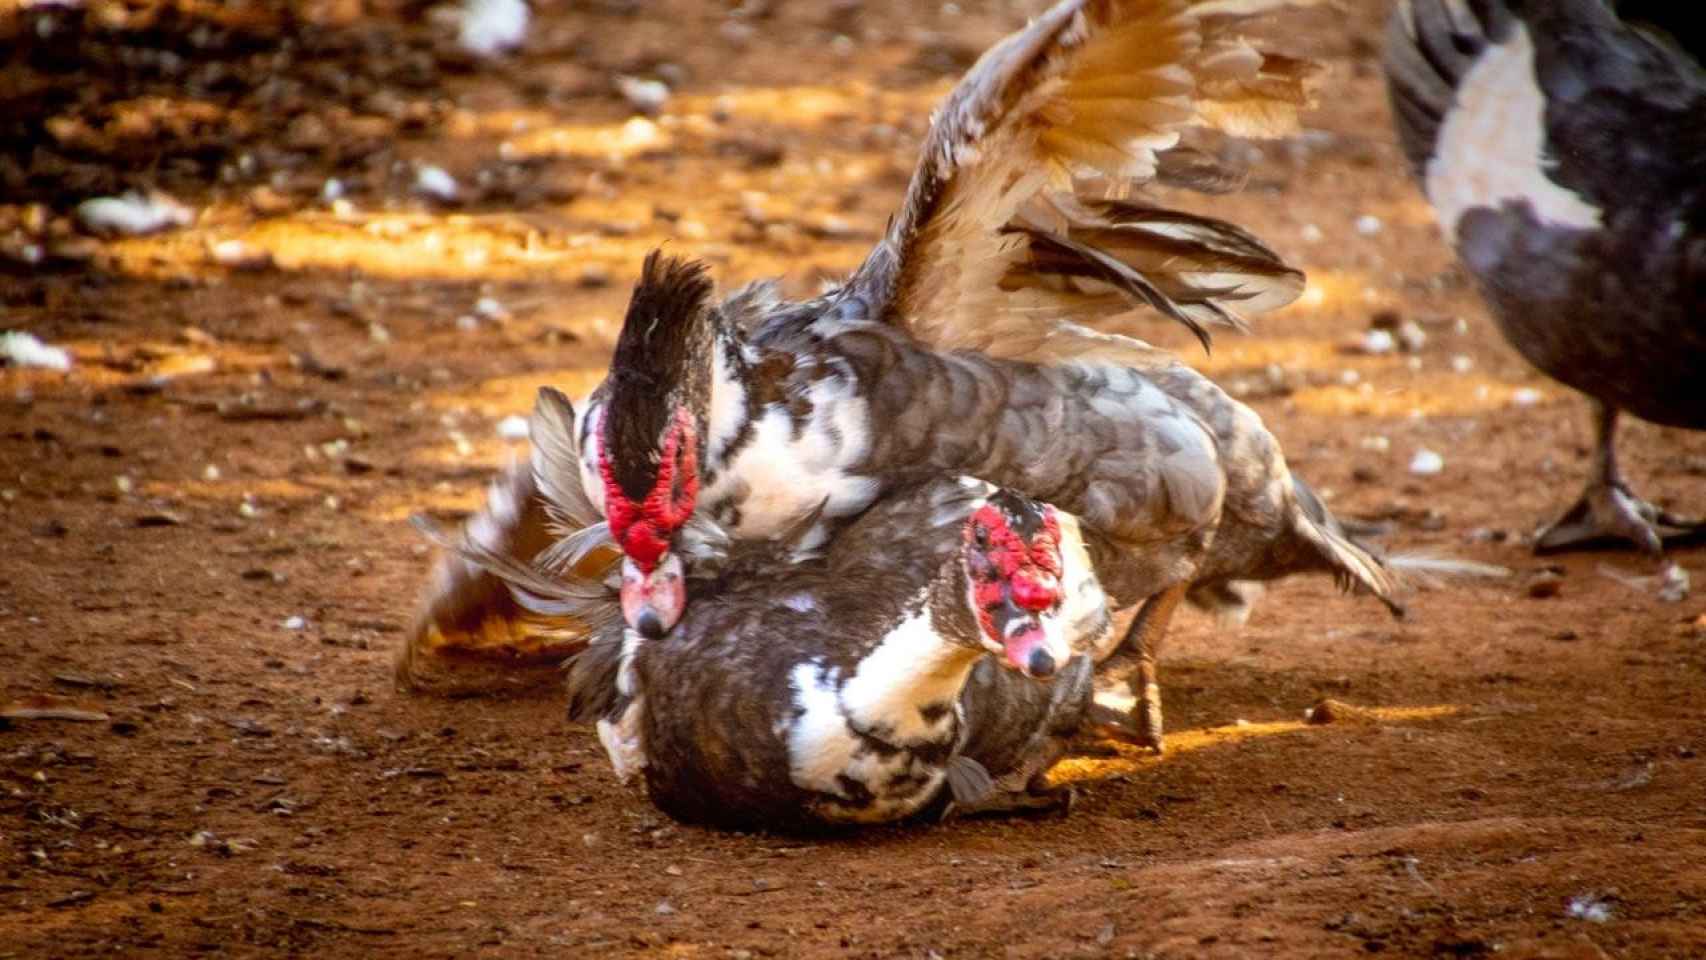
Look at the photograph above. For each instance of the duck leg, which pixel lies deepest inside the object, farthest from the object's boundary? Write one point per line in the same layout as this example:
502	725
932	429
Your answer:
1609	510
1143	640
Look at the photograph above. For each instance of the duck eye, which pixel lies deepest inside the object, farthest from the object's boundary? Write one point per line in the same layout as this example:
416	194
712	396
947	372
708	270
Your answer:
980	536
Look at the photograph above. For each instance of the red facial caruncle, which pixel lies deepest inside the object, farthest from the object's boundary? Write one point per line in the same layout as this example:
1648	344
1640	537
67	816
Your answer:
1031	570
1014	582
644	528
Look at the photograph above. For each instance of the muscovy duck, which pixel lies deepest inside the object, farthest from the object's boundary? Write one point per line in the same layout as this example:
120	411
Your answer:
849	686
763	414
1564	152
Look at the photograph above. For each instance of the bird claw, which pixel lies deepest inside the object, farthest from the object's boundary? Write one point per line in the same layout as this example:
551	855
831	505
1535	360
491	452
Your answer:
1609	511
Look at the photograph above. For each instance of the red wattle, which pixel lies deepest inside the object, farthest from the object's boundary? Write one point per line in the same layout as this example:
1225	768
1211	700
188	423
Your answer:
644	529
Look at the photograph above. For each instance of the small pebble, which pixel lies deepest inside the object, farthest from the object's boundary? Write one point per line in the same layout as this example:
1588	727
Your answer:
1545	584
1462	363
1311	233
294	623
1375	343
433	182
1525	397
646	96
490	309
1426	463
1368	225
331	190
1379	443
25	350
513	427
1411	337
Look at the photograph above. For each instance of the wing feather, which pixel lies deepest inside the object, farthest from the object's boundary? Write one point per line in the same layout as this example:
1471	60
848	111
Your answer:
1091	90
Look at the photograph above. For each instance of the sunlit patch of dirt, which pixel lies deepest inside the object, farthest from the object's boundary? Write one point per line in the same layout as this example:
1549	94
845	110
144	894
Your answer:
1130	759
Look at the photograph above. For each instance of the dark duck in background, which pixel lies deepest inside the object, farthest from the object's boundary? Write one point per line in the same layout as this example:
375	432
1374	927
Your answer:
1563	148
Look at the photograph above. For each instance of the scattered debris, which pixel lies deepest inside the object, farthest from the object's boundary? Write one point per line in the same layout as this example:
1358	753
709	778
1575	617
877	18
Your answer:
491	28
1545	583
237	255
1670	585
1590	907
25	350
133	214
1327	710
646	96
1426	463
1374	343
47	707
433	182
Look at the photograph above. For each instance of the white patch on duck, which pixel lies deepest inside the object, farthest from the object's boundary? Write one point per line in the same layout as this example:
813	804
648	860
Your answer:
622	740
785	476
592	444
911	667
800	602
1491	147
1084	610
728	405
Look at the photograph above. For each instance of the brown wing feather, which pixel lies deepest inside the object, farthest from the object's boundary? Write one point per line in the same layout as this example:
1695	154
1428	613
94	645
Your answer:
474	632
1091	88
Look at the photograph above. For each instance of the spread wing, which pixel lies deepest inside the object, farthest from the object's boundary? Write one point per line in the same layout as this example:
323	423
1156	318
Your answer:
523	584
1020	214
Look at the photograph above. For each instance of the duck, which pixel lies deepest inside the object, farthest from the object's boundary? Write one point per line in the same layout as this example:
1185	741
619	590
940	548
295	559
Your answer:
896	671
758	415
1561	147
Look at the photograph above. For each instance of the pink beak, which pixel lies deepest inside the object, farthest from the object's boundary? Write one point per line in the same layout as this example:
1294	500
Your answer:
652	602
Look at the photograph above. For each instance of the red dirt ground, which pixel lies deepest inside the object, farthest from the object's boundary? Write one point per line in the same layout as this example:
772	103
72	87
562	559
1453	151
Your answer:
235	448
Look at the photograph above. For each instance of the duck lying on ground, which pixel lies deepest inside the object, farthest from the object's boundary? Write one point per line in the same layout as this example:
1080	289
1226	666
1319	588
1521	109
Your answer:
884	674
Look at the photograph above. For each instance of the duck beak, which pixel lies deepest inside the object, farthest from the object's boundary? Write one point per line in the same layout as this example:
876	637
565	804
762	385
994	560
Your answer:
1031	643
652	602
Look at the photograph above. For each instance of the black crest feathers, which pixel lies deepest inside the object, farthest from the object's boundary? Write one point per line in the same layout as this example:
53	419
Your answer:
662	361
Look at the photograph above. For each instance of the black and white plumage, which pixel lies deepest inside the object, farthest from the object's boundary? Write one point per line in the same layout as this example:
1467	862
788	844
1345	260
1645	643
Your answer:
1563	149
848	684
963	345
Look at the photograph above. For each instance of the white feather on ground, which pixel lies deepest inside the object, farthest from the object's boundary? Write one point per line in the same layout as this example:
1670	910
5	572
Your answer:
435	183
491	28
26	350
133	214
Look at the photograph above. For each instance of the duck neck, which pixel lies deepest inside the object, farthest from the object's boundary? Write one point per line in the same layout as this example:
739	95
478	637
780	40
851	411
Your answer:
906	688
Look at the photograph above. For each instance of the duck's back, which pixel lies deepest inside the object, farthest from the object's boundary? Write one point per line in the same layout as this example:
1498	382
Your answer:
1564	153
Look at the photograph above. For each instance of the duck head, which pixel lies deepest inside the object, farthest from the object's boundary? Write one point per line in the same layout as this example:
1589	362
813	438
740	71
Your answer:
649	434
1013	565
